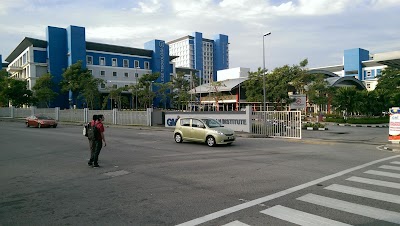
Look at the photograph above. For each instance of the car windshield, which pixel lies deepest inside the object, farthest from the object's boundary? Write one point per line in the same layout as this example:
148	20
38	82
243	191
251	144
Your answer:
212	123
43	117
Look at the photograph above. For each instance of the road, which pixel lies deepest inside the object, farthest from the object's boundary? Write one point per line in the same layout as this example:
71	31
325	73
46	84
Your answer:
146	178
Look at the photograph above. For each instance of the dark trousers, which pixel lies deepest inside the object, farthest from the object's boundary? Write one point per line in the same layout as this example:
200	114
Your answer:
95	149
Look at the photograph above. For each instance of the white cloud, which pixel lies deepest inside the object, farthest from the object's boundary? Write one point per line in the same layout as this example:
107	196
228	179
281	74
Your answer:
150	6
316	29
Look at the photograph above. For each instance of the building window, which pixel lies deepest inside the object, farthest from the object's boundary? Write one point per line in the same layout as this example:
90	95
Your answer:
126	74
136	75
89	60
102	85
91	72
114	62
378	73
368	86
136	63
114	73
102	61
115	86
146	65
126	63
126	86
102	73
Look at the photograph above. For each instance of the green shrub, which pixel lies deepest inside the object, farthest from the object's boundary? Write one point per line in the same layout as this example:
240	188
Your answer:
362	120
313	125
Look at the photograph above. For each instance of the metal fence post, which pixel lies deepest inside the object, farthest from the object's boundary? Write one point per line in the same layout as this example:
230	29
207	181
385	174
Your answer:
12	111
85	115
249	114
33	110
149	111
57	113
115	112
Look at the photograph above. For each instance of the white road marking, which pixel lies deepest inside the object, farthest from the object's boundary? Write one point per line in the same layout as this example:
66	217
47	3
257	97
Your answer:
367	211
300	217
375	182
381	173
236	223
365	193
389	167
395	162
258	201
116	173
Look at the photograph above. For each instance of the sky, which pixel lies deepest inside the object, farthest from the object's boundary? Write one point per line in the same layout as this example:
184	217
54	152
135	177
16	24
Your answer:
319	30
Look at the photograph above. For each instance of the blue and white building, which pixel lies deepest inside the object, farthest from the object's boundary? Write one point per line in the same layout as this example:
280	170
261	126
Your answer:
119	66
207	56
361	66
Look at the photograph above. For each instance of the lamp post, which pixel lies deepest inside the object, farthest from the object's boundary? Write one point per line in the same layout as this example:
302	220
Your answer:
264	95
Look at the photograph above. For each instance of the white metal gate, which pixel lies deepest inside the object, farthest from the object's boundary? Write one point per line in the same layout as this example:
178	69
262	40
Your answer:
284	124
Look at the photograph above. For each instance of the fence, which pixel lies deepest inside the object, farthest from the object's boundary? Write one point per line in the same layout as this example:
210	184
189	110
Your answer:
285	124
142	118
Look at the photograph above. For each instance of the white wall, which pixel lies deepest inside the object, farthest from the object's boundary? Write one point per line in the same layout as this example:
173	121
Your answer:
232	73
237	121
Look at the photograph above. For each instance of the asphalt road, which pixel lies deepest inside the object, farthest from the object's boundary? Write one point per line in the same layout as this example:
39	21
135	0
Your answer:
146	178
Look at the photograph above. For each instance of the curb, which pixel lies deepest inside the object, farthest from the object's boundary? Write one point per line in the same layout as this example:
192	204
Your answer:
357	125
392	147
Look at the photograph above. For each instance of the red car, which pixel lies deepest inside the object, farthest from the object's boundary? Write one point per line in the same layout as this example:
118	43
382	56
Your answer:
40	121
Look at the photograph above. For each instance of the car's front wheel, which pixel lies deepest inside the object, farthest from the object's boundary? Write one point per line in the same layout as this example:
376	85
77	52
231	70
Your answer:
39	125
178	138
55	126
210	141
27	124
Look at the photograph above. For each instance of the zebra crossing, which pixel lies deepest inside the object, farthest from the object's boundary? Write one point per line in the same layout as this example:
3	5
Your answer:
385	172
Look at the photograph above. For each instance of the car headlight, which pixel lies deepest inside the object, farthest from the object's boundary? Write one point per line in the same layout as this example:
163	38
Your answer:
220	133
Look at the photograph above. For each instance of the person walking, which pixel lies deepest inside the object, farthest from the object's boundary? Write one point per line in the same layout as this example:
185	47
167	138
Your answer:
98	142
91	141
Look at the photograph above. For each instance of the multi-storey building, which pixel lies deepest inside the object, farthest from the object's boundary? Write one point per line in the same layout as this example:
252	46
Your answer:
362	65
118	66
204	55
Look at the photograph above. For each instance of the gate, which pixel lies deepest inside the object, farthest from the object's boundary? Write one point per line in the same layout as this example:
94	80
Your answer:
283	124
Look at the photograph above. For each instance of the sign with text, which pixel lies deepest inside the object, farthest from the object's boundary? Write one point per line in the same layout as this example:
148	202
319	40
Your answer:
237	122
394	125
300	101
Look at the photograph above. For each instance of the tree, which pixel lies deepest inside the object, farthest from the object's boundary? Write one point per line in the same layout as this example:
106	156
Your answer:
80	82
216	93
43	89
346	99
91	92
389	85
17	93
115	96
318	91
164	92
180	89
145	91
254	86
3	85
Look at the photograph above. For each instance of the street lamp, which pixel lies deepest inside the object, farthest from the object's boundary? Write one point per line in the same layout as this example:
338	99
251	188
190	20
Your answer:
264	96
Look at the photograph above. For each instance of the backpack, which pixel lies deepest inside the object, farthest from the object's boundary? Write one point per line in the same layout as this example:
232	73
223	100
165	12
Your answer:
93	132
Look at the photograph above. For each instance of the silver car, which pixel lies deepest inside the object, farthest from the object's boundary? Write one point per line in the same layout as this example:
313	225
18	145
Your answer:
203	130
